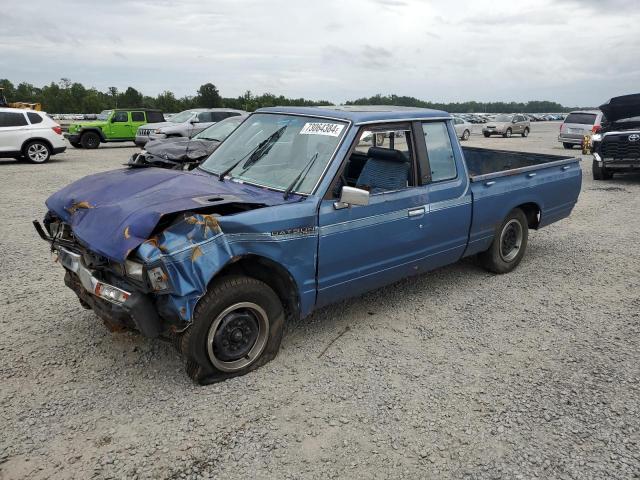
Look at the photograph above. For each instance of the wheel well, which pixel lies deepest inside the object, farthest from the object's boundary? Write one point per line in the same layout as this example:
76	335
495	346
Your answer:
43	140
271	273
532	212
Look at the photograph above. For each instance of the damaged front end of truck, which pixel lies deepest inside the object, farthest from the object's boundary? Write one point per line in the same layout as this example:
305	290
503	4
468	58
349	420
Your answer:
138	262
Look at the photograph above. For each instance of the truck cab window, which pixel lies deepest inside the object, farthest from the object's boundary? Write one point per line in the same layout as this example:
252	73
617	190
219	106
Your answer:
381	161
439	152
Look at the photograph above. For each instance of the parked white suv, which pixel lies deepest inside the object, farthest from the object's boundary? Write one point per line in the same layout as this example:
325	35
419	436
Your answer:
29	135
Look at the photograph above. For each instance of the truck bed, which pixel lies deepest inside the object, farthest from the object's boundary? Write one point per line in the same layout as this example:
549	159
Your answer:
545	185
484	163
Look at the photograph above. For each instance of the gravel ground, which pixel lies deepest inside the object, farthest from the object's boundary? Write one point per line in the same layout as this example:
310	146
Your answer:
453	374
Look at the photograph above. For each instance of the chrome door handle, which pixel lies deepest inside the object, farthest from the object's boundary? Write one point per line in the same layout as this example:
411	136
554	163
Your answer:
488	184
566	167
531	175
416	212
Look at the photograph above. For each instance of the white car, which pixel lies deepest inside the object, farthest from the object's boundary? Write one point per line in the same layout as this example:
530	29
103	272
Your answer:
30	135
463	128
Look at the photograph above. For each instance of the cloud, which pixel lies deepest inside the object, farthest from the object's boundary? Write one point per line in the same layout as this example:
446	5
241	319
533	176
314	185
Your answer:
335	50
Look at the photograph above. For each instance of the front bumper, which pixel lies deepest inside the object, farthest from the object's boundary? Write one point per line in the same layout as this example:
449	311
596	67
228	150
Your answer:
113	304
72	137
617	163
141	140
492	131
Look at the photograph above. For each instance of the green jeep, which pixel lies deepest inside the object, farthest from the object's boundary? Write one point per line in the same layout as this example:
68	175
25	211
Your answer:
119	125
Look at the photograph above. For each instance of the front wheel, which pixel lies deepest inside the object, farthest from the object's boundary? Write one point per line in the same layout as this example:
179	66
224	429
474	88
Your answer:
486	135
508	133
237	327
525	132
465	135
509	244
37	152
90	140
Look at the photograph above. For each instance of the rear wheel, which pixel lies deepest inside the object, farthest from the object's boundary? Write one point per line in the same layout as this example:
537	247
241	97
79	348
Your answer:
37	151
237	327
568	146
525	132
600	173
90	140
486	134
509	244
508	133
466	134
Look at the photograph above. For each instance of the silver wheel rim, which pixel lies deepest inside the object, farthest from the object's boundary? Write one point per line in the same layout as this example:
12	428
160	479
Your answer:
465	135
508	133
258	345
511	240
526	132
37	152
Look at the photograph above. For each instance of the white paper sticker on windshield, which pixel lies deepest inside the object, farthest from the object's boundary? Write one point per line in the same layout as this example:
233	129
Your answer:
330	129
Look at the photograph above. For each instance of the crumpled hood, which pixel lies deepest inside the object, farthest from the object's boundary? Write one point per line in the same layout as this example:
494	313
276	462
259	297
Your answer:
112	213
182	148
625	106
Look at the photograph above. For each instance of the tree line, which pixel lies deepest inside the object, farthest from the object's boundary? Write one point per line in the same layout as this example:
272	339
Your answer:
66	96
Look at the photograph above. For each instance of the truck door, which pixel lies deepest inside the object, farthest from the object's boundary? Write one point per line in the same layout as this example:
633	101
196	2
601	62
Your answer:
137	119
443	172
121	125
365	247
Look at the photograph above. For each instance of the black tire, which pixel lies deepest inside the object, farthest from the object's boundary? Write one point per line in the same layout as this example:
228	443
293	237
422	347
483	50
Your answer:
486	135
567	146
36	151
508	246
90	140
600	173
525	132
465	135
508	133
76	144
220	342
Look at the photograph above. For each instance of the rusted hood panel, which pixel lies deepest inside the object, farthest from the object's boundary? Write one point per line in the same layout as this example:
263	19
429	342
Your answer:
113	212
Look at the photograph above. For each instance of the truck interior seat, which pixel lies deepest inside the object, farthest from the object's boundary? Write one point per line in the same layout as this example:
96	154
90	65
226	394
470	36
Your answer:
385	170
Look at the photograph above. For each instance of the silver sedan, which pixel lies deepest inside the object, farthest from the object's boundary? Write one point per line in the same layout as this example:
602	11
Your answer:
463	128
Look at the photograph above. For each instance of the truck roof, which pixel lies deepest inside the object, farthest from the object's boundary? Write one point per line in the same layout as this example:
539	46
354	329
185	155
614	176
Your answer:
361	114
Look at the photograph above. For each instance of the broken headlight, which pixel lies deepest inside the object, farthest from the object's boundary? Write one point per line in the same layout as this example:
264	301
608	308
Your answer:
158	278
134	269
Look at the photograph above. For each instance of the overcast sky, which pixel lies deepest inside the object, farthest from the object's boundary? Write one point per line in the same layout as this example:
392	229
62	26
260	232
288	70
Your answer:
573	52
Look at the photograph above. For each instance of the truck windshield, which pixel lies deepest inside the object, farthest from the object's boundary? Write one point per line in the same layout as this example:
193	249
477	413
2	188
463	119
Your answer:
273	150
104	115
221	130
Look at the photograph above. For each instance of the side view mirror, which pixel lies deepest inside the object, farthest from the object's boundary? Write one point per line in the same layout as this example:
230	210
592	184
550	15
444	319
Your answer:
352	196
514	121
194	120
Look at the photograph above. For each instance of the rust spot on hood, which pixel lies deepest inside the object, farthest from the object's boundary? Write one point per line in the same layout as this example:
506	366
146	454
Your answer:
75	206
196	253
127	235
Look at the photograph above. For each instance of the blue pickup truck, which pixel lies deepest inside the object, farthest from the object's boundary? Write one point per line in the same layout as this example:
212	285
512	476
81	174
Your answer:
297	208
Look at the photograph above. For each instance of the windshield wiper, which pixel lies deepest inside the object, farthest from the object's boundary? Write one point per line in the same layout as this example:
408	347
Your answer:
258	151
300	177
